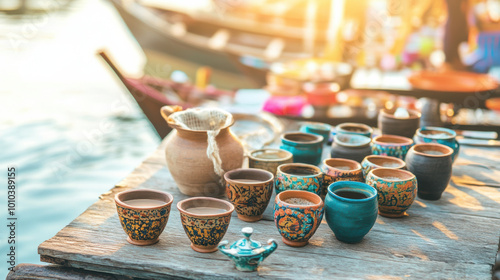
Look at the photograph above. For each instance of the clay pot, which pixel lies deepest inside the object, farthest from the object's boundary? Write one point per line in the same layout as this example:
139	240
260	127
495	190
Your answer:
350	146
438	135
396	189
375	161
205	221
249	190
354	128
269	159
299	176
432	165
143	221
340	169
305	147
406	127
297	215
187	160
391	145
351	210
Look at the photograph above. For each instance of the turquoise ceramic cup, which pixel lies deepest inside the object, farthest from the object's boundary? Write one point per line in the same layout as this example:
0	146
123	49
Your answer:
351	210
317	128
438	135
305	147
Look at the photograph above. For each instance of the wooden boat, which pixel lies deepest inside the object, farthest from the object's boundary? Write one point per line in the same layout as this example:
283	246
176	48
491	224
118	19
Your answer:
152	93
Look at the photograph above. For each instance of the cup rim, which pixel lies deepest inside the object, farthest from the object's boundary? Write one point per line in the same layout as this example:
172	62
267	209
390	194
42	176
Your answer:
365	140
403	141
341	126
297	164
338	185
401	162
439	147
452	133
287	153
183	211
249	170
318	202
317	138
358	165
384	169
414	114
119	201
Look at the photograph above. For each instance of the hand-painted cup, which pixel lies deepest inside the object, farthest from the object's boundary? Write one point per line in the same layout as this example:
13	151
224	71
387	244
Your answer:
305	147
269	159
297	215
249	190
351	146
438	135
354	128
391	145
374	162
143	214
351	210
393	125
396	189
340	169
299	176
432	165
205	221
317	128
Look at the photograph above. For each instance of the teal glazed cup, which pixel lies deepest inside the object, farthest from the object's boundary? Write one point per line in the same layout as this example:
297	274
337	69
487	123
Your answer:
351	210
305	147
354	128
391	145
299	176
438	135
317	128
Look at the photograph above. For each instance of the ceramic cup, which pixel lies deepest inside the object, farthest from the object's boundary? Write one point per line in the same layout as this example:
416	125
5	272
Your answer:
392	125
305	147
351	146
438	135
391	145
432	165
299	176
143	214
351	210
396	189
205	221
249	190
374	162
297	215
317	128
340	169
354	128
269	159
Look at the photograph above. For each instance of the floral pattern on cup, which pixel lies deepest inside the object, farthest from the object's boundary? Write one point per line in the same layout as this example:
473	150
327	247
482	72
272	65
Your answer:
375	161
297	223
298	176
339	169
391	145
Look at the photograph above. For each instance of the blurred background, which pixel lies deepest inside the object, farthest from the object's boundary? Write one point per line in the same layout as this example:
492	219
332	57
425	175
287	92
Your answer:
81	82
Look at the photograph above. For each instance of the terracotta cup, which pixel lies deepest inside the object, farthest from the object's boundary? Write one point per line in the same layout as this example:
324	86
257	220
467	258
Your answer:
249	190
305	147
392	125
299	176
340	169
297	215
391	145
374	162
354	128
396	189
269	159
143	214
205	221
351	146
432	165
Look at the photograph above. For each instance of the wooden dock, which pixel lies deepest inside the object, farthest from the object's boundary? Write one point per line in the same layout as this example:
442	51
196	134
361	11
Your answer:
456	237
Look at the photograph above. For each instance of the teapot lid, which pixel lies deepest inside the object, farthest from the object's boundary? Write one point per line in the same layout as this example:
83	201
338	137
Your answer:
246	246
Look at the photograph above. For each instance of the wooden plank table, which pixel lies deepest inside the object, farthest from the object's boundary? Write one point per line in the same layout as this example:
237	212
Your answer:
456	237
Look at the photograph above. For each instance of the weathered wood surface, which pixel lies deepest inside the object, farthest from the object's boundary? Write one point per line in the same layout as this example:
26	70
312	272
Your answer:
456	237
58	272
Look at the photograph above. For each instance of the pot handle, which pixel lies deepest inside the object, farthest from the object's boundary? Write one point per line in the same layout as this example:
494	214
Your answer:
166	111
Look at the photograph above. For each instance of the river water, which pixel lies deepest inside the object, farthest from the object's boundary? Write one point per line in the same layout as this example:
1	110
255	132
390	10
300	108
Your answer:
66	123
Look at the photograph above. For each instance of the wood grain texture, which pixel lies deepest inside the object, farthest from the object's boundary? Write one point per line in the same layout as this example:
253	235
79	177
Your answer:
456	237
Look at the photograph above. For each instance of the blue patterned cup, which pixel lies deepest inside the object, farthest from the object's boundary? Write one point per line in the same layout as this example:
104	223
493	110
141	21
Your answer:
391	145
438	135
299	176
305	147
143	214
